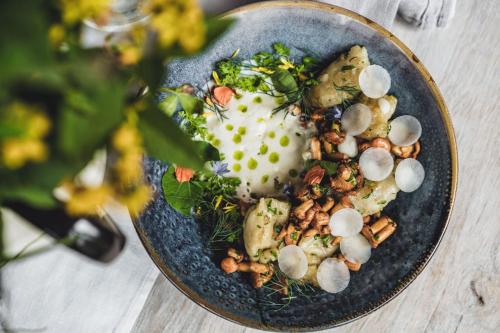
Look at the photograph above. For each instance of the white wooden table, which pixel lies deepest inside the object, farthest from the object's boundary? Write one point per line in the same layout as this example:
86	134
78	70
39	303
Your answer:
458	292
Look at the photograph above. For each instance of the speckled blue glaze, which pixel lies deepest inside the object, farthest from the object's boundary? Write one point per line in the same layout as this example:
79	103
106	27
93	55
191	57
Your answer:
178	244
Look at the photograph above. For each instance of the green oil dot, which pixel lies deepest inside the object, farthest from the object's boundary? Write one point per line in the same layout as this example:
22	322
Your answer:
242	130
216	142
263	149
242	108
236	167
236	138
274	157
210	137
229	127
271	134
260	120
257	99
237	96
280	100
264	179
238	155
293	173
252	164
284	141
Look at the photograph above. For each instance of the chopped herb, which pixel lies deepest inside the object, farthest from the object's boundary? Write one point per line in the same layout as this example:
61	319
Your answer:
382	202
293	235
326	240
277	229
281	49
347	68
270	208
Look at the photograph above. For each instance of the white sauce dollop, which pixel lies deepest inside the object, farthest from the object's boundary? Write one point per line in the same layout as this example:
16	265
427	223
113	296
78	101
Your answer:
258	146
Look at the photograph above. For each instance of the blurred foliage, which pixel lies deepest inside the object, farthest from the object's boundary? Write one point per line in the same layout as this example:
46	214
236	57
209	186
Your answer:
61	102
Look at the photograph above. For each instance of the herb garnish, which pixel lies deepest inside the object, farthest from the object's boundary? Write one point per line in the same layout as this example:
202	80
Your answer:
212	198
289	79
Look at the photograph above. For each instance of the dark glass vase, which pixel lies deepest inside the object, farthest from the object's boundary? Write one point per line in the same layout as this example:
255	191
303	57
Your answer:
95	237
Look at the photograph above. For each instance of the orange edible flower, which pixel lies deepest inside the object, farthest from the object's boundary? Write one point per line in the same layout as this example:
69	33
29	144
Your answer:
223	95
183	174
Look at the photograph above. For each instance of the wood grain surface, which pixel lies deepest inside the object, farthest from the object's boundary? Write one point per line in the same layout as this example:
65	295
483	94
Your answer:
459	291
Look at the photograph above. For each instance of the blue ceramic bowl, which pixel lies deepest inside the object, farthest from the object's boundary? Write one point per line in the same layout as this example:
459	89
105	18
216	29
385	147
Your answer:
178	245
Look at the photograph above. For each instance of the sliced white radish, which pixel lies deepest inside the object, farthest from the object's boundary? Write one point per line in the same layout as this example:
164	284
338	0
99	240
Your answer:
349	146
356	119
292	261
405	130
409	175
346	222
333	275
374	81
385	107
356	248
376	164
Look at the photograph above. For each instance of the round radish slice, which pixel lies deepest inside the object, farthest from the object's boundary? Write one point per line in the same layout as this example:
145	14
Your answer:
356	119
349	146
346	222
405	131
292	261
374	81
356	249
333	275
385	107
409	175
376	164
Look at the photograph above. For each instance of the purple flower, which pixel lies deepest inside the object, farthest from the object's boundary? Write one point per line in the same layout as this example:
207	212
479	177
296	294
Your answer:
288	189
219	168
334	113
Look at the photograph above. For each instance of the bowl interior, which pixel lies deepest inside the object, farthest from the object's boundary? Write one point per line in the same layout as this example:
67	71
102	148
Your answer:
178	244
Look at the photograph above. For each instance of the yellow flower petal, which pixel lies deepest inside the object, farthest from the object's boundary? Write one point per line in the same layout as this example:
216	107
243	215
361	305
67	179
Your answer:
87	201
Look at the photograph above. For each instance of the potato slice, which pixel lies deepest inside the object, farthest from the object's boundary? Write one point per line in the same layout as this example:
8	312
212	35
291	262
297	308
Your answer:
339	81
258	227
374	196
382	110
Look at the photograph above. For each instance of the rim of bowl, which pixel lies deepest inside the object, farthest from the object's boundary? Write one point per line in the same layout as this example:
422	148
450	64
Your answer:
419	267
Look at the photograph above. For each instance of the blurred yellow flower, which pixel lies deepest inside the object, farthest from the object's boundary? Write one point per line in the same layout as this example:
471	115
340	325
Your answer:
17	152
56	34
129	167
38	125
126	137
130	55
178	21
86	201
74	11
137	199
26	144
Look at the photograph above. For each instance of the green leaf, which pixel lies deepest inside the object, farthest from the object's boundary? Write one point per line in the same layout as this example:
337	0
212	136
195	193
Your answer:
34	196
284	82
82	132
216	27
181	196
210	152
164	140
330	167
23	36
189	103
169	105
